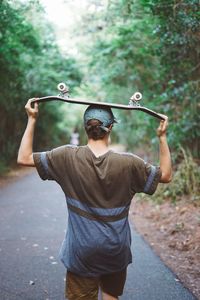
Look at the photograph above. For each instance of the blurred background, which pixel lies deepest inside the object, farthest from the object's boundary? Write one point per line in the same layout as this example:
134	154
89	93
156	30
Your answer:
104	50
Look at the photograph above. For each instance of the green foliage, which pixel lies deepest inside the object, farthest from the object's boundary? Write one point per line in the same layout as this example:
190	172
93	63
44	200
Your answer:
3	168
123	62
150	46
179	52
31	65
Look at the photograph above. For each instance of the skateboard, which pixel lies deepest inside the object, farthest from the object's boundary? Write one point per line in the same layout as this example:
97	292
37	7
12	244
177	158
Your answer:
132	105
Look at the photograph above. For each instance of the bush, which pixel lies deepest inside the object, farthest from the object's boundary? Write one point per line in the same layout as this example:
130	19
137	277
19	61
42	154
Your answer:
185	181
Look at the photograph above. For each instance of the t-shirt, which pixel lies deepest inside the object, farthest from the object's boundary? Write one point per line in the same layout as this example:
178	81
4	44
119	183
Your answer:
98	193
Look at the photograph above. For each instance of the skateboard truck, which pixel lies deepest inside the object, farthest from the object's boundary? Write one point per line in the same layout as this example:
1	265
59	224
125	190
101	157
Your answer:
63	89
64	92
135	98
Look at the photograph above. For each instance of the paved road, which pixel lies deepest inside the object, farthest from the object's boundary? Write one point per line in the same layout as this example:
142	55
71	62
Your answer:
33	218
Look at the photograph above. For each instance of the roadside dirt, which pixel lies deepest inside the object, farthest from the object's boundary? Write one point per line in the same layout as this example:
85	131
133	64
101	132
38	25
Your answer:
173	231
14	174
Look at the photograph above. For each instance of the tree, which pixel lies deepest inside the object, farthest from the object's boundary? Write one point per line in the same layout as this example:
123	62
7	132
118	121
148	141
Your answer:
179	51
31	65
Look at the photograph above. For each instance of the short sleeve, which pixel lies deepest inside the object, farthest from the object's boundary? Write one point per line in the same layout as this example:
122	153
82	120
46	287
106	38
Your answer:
145	176
51	164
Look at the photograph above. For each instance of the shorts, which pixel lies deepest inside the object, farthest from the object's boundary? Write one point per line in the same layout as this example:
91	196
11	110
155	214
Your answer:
87	288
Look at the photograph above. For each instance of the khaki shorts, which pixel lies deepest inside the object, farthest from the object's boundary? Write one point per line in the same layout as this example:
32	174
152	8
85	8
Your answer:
87	288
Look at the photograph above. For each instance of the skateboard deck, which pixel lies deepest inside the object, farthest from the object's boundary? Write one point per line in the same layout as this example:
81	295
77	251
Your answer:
133	102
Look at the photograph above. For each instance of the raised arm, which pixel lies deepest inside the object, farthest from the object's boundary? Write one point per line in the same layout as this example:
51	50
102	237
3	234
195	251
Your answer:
165	157
25	154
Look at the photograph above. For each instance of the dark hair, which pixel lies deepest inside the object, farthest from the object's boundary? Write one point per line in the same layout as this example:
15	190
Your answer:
94	131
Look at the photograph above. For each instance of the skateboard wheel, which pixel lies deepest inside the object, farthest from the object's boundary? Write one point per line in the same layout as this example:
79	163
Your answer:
137	96
62	87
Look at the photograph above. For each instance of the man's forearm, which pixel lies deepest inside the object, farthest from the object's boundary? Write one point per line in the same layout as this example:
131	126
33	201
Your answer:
25	154
165	160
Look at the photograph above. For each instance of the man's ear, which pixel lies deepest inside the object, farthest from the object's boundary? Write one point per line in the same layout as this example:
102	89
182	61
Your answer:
110	127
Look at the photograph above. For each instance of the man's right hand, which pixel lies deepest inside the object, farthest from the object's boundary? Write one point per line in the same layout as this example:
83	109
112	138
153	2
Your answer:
162	129
32	112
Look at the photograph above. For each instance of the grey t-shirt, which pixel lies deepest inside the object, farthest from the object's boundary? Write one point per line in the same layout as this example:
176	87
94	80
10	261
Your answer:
98	193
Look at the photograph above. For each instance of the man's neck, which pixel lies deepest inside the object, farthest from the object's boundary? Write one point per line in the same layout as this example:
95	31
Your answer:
98	147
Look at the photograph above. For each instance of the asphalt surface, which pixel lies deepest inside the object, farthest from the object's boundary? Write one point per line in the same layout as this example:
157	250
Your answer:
33	218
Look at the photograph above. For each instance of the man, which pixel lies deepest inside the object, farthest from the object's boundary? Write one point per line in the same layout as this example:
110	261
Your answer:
99	185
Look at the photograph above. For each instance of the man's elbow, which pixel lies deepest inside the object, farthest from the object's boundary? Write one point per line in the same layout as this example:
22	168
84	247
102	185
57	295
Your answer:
166	178
25	161
21	161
